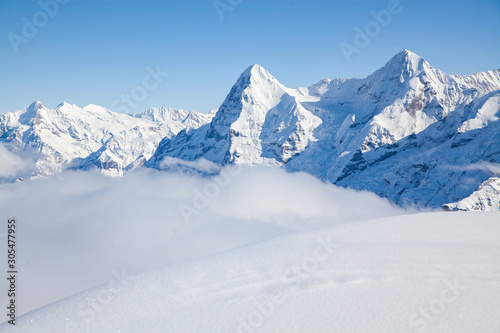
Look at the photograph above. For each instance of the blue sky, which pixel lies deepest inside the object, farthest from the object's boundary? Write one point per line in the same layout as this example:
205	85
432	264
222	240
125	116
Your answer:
94	52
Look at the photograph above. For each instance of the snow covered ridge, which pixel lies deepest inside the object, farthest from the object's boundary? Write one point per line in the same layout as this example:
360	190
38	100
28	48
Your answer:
395	133
486	198
90	137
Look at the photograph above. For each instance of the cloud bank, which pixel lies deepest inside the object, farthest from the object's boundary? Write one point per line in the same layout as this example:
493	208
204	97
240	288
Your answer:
10	163
74	229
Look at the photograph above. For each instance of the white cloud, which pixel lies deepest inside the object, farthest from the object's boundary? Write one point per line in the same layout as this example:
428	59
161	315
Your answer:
75	228
10	163
493	168
199	166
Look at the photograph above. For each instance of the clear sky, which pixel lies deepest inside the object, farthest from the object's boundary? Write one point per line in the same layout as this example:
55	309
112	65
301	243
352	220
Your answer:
94	52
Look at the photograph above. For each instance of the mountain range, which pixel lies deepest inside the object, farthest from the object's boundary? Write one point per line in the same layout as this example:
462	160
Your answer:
408	132
91	137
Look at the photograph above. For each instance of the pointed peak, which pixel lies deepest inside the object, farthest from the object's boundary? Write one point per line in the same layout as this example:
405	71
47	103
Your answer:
31	112
406	59
404	65
405	56
36	105
67	107
253	69
255	76
407	52
256	72
63	104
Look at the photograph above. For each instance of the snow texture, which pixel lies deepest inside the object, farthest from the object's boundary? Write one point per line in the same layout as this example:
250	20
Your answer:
434	272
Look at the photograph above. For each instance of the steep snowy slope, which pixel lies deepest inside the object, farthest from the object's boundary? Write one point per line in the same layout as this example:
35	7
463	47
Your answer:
429	167
261	122
398	130
434	272
485	198
92	137
407	132
394	132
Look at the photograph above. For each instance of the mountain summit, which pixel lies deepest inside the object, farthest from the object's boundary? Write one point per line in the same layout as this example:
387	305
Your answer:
407	132
391	133
406	61
88	138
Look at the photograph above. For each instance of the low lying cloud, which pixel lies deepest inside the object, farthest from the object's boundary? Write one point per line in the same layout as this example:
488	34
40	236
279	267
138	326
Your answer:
11	164
75	228
493	168
200	166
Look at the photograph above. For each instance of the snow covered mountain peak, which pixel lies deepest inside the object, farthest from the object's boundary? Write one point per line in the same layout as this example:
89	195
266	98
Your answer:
406	58
254	91
387	133
485	198
256	78
255	70
95	108
394	132
402	67
36	105
92	137
63	104
257	107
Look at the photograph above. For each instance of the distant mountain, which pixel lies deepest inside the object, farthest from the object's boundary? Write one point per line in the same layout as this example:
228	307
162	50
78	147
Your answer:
395	132
92	137
260	122
485	198
407	132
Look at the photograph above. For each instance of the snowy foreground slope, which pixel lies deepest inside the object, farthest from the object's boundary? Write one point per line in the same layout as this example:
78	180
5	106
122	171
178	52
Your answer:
77	228
433	272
